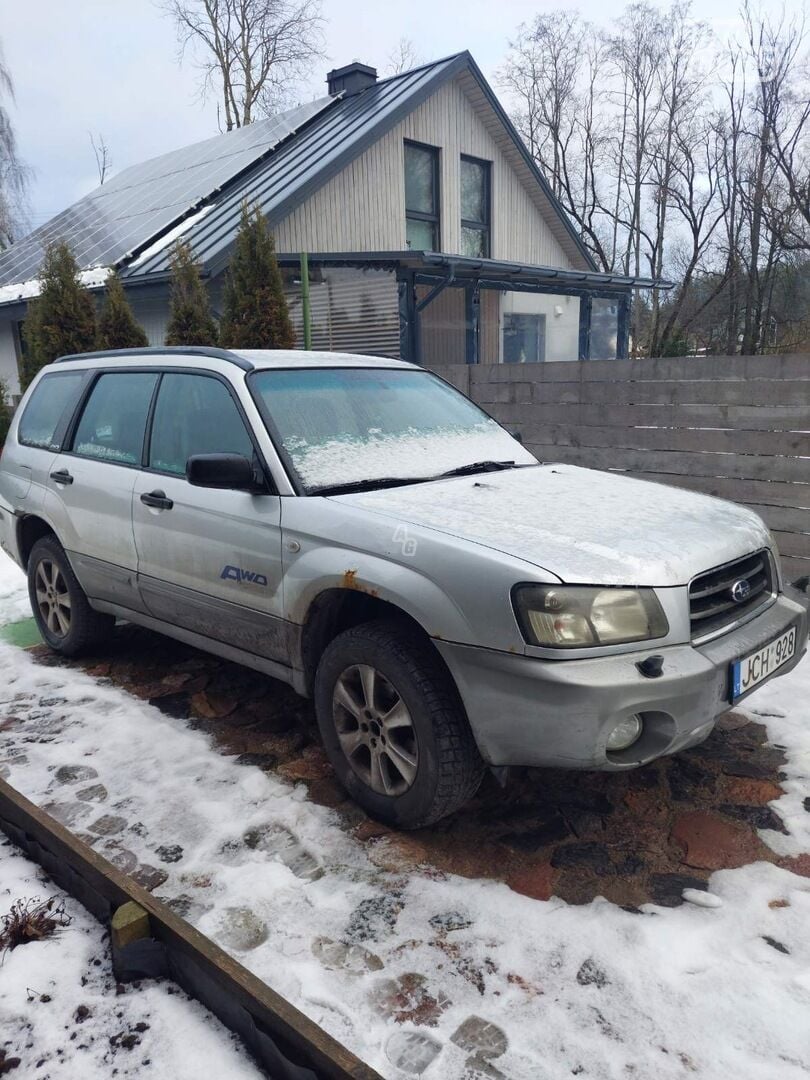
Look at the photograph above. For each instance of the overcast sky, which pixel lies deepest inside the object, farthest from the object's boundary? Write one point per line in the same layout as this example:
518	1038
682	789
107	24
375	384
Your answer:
111	66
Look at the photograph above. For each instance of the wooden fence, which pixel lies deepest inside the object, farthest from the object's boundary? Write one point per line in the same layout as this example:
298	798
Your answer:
733	426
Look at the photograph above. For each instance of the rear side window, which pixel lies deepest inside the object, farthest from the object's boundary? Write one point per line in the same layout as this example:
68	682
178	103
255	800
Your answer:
52	401
113	423
195	414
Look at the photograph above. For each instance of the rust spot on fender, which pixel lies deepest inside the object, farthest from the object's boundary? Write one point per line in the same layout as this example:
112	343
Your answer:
349	581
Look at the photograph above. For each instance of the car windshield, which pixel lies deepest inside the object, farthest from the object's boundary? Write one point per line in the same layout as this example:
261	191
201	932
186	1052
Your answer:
343	427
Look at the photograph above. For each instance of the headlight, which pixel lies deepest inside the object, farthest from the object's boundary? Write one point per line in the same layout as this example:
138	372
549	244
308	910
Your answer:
579	616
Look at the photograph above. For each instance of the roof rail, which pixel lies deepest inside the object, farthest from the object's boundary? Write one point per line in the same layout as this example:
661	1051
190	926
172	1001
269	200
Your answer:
171	350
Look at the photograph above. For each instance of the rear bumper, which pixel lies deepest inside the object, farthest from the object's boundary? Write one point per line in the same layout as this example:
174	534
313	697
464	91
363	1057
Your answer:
525	711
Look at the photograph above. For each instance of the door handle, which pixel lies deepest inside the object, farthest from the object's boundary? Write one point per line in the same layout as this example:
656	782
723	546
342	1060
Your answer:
62	477
157	499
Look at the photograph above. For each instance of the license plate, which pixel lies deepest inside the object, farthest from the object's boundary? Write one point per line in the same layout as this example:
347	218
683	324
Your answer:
758	666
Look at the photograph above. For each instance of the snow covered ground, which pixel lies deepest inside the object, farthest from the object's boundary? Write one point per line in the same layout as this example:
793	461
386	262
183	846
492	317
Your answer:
59	1010
61	1015
444	976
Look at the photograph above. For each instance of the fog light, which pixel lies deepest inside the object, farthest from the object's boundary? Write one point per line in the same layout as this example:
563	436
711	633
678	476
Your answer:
625	733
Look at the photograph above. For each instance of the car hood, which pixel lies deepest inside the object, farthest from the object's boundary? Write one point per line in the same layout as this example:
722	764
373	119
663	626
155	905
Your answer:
581	525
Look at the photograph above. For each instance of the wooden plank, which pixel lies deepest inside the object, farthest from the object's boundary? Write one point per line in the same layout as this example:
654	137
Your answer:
751	392
765	392
736	417
225	987
678	369
743	466
793	544
708	440
783	518
749	492
793	569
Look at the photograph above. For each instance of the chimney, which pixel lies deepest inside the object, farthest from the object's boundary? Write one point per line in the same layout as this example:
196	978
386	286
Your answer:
351	79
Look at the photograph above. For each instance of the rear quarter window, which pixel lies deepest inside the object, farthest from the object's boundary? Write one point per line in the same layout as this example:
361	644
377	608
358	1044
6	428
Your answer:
52	401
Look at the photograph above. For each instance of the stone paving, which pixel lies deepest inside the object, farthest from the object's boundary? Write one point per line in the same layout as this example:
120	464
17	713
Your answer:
633	838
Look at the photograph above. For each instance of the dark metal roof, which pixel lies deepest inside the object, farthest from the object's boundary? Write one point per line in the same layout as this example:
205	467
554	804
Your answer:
497	272
141	203
302	166
331	142
198	191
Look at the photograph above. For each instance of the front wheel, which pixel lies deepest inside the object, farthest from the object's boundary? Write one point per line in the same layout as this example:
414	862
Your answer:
64	617
393	726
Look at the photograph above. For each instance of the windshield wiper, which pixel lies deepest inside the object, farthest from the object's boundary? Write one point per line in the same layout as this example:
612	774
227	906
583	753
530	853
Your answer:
405	481
479	467
369	485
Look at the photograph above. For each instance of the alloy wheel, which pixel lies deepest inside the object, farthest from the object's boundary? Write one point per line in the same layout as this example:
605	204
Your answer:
375	730
53	598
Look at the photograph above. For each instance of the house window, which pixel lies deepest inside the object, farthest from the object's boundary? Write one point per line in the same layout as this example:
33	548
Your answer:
524	338
475	208
421	197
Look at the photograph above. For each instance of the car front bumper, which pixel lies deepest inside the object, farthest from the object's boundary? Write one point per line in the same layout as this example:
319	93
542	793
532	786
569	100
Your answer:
526	711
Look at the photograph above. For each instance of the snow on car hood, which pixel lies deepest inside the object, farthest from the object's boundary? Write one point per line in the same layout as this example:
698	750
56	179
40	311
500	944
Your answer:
582	525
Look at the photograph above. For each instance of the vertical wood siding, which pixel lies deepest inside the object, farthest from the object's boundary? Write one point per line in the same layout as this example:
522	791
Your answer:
363	207
443	327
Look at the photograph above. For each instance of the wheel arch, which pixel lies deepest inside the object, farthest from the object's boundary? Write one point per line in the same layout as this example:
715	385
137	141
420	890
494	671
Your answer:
336	609
30	528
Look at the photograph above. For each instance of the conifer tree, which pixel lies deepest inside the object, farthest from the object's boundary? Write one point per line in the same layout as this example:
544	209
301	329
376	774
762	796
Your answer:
62	319
255	314
117	325
190	319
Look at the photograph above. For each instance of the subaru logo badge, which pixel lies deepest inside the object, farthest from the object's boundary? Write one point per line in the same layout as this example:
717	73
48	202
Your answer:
740	591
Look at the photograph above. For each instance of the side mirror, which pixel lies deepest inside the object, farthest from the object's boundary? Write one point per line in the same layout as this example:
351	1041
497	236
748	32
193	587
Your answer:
231	471
517	435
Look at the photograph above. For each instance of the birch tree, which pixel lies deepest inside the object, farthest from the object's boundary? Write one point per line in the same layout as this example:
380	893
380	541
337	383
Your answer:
14	173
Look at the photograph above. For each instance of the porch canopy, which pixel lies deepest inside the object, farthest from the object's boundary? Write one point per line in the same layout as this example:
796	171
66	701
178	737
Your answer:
424	276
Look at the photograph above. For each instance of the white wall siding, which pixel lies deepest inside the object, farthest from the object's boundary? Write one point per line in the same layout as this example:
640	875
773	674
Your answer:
562	320
9	374
363	207
153	315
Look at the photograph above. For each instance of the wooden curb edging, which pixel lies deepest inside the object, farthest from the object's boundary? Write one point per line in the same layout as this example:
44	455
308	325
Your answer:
284	1042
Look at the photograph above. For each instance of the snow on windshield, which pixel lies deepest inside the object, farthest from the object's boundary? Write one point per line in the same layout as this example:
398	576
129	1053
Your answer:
345	425
403	454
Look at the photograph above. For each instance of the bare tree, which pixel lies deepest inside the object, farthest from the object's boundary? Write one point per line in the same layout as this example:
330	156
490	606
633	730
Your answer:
552	73
250	52
773	46
15	175
403	57
681	129
101	152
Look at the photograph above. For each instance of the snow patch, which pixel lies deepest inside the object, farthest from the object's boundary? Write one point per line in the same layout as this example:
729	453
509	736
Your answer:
92	278
168	238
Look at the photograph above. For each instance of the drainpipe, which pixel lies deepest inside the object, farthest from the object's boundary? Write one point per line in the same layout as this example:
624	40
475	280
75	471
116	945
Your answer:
306	311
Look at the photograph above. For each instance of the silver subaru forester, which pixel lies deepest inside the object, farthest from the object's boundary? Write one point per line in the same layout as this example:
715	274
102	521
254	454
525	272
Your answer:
361	530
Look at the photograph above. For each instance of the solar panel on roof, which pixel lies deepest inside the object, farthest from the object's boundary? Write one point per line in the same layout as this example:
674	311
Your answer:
130	209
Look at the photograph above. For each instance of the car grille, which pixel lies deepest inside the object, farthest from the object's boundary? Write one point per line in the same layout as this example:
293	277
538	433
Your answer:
713	608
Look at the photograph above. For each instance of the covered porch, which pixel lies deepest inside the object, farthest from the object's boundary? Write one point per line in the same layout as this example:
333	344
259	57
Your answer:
437	309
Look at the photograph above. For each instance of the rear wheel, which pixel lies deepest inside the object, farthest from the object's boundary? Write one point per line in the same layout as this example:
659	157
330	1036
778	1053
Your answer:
393	726
65	619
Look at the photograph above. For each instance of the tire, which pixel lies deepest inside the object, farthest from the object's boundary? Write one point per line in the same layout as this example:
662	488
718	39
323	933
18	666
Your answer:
65	619
427	762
